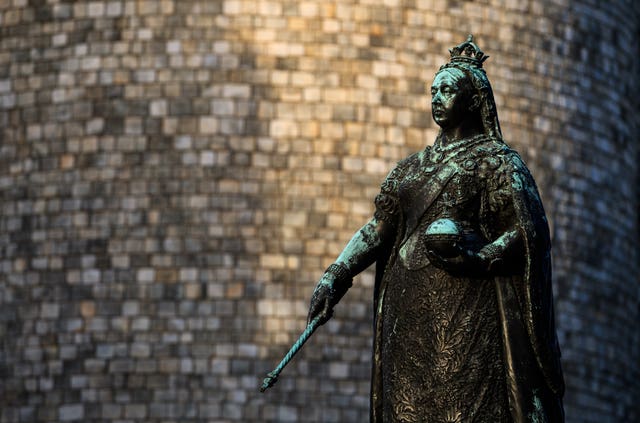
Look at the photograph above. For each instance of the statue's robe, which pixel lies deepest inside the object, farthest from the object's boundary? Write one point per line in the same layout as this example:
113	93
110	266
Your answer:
463	348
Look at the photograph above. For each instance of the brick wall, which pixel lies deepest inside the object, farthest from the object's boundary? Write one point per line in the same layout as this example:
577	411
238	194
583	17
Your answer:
175	175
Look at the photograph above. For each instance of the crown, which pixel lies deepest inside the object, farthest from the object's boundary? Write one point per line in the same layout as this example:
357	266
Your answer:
468	52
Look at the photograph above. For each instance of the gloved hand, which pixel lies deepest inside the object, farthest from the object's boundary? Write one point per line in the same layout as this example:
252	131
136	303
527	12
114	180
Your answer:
323	299
335	282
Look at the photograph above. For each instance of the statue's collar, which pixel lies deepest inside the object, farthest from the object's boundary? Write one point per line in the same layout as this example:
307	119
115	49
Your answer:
458	144
444	152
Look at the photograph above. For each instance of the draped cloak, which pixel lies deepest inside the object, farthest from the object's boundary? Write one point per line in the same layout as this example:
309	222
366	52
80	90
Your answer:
485	185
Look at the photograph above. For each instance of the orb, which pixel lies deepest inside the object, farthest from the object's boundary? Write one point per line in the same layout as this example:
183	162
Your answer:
444	237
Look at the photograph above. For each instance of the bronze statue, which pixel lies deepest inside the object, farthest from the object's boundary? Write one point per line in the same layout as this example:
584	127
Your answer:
464	321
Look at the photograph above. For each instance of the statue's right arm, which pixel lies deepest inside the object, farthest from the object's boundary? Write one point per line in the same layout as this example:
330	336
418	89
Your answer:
361	251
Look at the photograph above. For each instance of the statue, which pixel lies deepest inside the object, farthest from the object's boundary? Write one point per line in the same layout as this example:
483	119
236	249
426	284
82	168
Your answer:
464	321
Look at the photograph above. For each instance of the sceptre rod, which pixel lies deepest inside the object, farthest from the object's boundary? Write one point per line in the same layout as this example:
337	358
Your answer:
272	377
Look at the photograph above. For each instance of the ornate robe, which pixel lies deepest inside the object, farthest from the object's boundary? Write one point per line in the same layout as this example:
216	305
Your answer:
469	348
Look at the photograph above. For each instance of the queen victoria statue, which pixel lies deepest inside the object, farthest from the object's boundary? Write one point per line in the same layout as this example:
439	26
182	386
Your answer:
464	322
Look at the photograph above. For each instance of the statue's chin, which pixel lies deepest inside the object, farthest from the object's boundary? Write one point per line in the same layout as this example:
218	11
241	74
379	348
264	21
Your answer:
442	122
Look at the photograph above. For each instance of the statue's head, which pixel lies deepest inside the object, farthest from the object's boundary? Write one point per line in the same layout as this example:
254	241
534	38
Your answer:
453	98
461	88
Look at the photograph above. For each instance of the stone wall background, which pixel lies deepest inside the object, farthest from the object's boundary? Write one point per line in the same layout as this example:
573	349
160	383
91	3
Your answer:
175	175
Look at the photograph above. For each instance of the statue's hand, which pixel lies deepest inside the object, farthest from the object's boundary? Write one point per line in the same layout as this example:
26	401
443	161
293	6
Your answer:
323	299
334	283
466	263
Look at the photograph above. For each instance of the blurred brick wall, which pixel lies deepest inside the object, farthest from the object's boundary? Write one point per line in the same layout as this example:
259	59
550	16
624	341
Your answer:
175	175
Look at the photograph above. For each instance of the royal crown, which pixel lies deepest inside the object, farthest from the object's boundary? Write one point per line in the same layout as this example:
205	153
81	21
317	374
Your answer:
468	52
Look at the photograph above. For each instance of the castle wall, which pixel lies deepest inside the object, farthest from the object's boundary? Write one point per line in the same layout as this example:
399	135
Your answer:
175	176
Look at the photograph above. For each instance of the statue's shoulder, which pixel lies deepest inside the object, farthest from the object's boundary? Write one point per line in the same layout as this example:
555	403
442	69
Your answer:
492	147
406	164
414	158
499	155
513	161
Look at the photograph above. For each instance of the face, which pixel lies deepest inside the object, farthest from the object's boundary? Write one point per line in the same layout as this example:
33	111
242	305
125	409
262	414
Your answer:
449	102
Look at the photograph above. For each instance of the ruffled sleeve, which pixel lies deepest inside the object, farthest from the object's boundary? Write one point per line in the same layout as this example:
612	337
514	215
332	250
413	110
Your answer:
387	202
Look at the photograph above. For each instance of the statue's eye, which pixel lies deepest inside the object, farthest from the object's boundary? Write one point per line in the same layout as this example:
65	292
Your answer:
433	91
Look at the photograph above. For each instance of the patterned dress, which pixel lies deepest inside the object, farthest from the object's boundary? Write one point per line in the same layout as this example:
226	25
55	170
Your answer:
439	353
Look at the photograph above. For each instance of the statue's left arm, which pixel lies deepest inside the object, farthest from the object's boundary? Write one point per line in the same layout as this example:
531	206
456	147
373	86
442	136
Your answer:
508	194
499	256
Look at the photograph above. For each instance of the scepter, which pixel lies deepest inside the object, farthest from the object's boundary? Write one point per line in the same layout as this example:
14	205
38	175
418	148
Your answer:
336	294
272	377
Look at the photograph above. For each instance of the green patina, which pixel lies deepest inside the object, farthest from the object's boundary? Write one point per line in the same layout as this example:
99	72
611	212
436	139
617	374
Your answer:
361	243
537	415
517	183
443	226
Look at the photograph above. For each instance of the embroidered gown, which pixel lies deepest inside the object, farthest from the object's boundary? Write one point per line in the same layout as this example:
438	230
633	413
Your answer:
444	344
